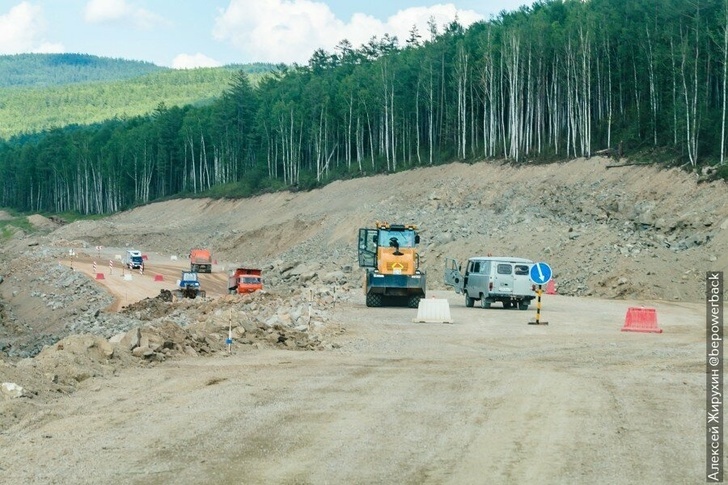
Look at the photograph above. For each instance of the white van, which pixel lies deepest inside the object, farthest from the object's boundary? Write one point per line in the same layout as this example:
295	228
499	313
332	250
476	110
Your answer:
492	279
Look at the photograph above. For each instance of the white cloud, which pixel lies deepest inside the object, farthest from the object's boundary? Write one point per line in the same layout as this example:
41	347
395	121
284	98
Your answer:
22	29
99	11
120	11
49	48
290	30
442	14
191	61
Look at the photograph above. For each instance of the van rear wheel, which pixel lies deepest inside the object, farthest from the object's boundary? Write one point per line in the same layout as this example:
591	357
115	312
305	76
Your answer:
469	302
484	303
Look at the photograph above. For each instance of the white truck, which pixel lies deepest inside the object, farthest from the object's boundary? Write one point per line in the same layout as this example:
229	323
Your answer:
490	279
134	259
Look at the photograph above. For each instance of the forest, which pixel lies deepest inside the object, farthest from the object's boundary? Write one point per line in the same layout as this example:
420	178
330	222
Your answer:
555	80
43	91
59	69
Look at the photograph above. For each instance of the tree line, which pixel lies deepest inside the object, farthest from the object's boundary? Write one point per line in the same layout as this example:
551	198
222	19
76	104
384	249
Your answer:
555	80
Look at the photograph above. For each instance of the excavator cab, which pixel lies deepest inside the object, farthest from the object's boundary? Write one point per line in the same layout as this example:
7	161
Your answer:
395	236
368	243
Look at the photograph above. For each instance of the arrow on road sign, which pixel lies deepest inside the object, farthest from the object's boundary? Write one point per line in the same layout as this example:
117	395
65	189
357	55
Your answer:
540	273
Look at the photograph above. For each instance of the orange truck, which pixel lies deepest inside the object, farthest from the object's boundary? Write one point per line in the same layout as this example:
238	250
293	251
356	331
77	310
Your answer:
201	261
245	280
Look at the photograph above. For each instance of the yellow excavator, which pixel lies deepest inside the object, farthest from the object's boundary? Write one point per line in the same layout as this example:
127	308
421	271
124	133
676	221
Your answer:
389	254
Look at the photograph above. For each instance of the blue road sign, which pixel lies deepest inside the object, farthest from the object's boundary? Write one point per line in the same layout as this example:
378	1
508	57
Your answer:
540	273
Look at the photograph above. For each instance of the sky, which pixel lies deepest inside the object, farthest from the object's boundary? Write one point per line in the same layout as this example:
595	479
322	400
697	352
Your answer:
207	33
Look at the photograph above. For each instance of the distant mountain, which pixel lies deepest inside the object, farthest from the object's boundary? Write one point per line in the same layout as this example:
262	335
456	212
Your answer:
43	91
42	70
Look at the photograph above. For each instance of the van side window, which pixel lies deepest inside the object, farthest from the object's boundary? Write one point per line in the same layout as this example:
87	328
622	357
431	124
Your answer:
504	268
476	267
521	269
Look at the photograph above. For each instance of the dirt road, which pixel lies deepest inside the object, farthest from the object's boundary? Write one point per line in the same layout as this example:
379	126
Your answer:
129	286
486	399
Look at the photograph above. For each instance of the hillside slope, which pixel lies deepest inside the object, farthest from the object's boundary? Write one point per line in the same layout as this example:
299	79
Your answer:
628	232
32	109
44	91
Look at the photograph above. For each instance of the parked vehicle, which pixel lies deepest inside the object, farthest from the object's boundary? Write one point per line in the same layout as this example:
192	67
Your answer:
245	280
201	261
389	254
492	279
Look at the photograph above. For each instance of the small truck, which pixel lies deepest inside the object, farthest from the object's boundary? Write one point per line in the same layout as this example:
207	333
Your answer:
245	280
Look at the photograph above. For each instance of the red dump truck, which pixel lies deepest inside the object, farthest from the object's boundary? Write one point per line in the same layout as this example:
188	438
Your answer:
201	261
245	280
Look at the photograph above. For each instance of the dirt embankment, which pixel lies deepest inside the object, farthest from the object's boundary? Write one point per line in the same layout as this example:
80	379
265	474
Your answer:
623	232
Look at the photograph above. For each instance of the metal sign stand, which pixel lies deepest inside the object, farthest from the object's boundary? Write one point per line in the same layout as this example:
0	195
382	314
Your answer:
538	308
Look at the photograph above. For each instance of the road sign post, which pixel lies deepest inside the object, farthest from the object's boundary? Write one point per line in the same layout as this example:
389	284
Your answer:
229	340
540	274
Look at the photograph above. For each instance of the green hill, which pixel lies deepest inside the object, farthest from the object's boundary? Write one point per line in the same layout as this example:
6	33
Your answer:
43	70
43	91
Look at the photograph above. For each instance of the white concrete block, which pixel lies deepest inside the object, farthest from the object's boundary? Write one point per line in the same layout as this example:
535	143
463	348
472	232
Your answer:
433	310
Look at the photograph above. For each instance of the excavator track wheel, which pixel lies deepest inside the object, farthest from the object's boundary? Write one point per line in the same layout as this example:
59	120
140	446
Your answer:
374	299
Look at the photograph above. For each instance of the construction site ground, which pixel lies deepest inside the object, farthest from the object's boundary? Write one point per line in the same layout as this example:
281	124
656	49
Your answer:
382	397
486	399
